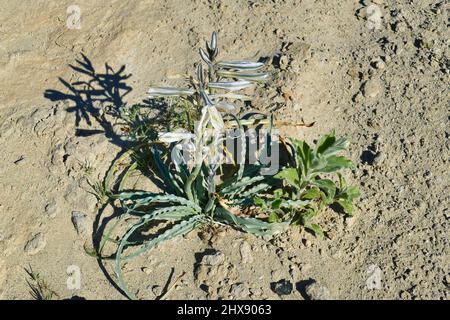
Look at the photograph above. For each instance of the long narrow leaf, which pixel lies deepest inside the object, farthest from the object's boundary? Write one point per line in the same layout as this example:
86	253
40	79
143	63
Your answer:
240	185
245	76
157	92
181	228
241	65
250	225
231	96
231	85
165	173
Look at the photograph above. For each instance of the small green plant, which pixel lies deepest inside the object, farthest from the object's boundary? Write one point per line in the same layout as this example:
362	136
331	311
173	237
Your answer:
39	289
194	191
305	189
87	167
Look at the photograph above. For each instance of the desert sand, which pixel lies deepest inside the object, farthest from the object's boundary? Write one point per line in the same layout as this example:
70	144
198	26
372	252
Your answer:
375	71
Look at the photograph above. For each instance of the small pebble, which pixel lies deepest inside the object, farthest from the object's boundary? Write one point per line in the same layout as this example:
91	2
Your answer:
239	290
372	88
50	209
80	222
282	287
378	64
146	270
213	259
35	244
316	291
307	243
246	252
405	295
284	61
256	292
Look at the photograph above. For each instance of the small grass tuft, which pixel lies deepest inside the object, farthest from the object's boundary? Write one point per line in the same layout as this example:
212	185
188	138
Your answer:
39	289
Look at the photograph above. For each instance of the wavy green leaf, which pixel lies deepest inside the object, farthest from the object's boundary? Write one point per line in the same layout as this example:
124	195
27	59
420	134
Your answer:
290	175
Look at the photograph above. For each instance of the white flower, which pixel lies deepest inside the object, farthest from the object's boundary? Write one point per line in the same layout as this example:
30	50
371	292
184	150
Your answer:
169	137
215	118
205	145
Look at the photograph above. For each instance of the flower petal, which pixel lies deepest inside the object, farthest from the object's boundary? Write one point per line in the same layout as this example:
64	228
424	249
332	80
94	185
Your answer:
216	118
169	137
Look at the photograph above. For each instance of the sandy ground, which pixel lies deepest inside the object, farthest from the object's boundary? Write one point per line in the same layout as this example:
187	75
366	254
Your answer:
384	86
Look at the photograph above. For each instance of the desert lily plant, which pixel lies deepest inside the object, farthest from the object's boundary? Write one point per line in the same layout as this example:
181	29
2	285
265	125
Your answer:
187	161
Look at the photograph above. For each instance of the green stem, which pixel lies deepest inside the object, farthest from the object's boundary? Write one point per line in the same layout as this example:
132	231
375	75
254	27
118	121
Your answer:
211	73
210	204
190	180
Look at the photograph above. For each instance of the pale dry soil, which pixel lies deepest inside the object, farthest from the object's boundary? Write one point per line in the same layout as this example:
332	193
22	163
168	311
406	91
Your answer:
386	90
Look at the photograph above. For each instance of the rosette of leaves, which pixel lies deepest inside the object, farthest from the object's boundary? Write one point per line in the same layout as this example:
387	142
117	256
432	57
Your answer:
185	204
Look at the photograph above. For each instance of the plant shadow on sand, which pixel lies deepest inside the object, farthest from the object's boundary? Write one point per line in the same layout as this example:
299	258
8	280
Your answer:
97	98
